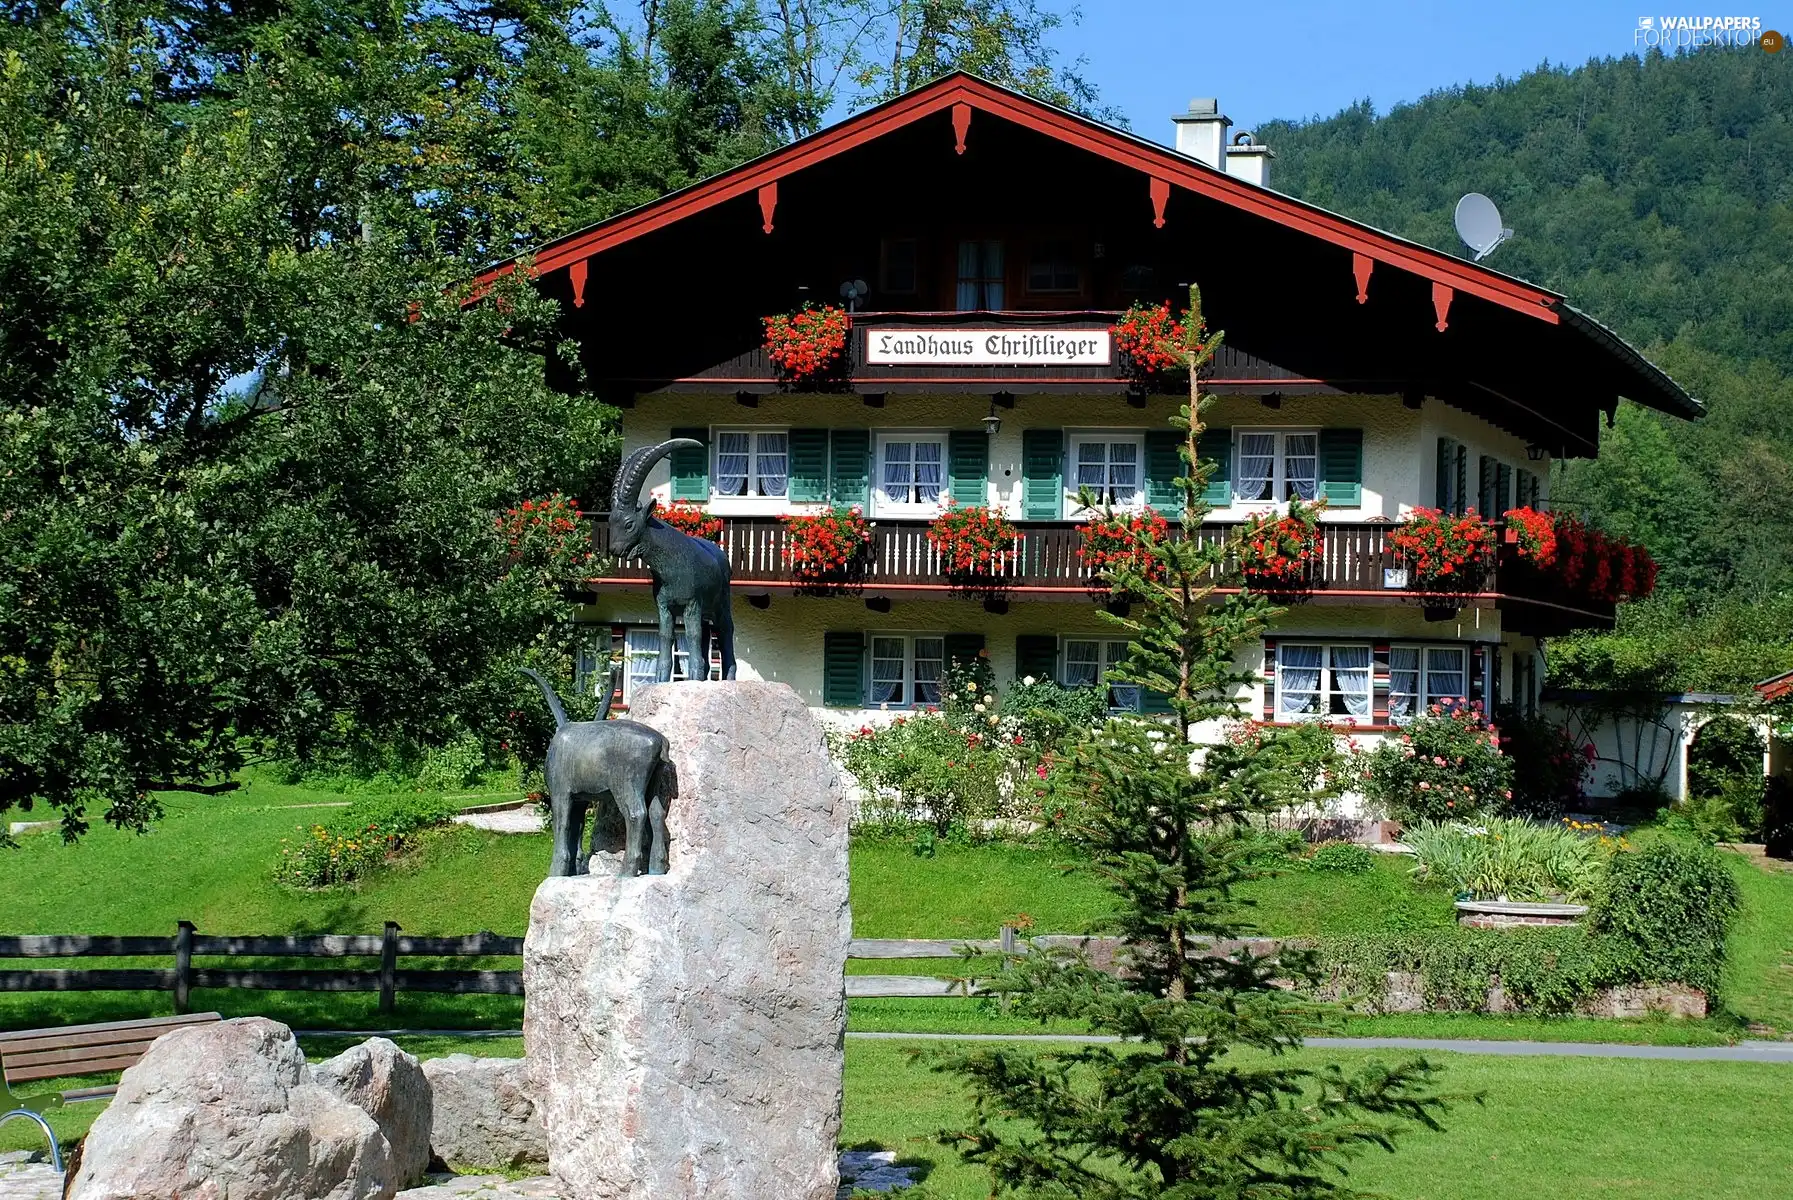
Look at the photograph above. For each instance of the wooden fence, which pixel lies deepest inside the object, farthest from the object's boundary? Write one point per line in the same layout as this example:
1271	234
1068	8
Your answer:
188	944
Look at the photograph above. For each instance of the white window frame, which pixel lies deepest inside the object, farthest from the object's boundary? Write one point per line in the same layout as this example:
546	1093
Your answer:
1078	438
1279	483
910	699
1327	691
641	654
882	507
1426	694
1122	697
751	502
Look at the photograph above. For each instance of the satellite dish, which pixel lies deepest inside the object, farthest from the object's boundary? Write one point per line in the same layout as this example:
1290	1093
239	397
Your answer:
1478	224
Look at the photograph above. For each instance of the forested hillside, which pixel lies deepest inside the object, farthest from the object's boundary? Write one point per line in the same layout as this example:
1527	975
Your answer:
1657	194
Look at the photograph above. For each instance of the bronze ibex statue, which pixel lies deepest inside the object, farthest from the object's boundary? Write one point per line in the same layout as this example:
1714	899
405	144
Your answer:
690	575
588	760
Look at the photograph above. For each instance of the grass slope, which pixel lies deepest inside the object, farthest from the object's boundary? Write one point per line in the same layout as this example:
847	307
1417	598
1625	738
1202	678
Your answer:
1759	973
1548	1129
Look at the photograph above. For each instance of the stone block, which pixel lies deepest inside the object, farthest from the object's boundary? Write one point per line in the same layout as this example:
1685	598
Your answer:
391	1087
484	1113
684	1032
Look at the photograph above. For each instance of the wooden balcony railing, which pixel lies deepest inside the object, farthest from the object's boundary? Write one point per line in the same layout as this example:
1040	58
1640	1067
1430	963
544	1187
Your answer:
1355	568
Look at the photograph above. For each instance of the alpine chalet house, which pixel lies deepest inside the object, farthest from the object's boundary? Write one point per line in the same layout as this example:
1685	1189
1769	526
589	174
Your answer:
988	245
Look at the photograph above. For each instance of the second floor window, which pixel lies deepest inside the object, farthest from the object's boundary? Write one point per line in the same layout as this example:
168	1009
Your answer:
911	470
1277	464
752	463
906	670
1052	266
1108	467
980	276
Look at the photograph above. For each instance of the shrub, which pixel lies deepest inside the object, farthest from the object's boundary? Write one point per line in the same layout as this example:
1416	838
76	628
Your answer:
1549	769
1048	714
457	765
546	538
1723	749
1672	905
1513	859
1346	858
1446	765
1540	970
1777	817
352	845
922	770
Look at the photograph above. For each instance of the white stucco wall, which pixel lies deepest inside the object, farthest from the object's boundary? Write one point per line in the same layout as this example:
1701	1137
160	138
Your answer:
1442	420
1399	451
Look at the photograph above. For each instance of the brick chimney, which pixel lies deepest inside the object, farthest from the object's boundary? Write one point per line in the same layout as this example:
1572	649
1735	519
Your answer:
1201	132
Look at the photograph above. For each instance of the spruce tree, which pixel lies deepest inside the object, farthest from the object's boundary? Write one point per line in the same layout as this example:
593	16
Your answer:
1193	1101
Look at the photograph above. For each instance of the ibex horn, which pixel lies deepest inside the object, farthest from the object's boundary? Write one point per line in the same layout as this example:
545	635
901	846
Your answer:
633	473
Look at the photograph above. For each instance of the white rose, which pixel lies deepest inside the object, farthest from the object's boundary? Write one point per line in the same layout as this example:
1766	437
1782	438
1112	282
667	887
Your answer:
1028	681
989	699
978	707
992	720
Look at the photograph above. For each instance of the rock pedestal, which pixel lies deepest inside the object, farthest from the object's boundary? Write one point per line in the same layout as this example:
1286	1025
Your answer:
685	1031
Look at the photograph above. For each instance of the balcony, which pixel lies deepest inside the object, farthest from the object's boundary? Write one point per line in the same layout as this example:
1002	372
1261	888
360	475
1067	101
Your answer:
1356	568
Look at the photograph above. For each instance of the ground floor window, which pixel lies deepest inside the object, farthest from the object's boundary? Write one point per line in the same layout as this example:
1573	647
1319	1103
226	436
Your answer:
1421	676
1323	680
907	669
1087	663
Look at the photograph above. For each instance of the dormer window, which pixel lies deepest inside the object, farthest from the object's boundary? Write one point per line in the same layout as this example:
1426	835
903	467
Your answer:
980	276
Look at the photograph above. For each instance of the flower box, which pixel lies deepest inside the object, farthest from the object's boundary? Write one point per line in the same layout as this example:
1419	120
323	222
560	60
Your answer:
828	547
689	518
1443	553
808	346
1149	340
1281	553
1114	541
975	543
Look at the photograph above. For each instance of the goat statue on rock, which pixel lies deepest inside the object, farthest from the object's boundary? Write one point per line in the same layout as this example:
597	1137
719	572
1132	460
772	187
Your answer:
690	575
589	760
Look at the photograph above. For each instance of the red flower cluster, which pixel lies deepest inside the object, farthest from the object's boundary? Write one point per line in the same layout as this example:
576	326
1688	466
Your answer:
826	543
973	540
550	530
1443	551
808	343
1601	565
1278	549
1534	533
687	517
1124	539
1150	339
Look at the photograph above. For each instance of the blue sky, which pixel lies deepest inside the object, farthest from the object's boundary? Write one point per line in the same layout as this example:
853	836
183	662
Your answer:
1301	58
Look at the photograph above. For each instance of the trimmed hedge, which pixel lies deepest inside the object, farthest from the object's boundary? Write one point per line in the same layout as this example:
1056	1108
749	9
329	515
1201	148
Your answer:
1662	918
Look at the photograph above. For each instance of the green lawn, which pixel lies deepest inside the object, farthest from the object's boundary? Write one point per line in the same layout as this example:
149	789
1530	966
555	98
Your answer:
1549	1129
209	861
1759	973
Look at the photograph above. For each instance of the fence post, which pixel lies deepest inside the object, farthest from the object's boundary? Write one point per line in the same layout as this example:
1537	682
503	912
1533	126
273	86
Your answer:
389	967
1008	947
183	966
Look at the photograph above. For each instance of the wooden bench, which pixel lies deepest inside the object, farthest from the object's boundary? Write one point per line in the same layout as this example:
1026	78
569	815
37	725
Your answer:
33	1054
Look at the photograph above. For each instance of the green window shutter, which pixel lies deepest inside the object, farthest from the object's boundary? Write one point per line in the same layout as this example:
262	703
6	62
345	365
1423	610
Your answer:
1215	446
962	648
843	670
1462	504
1163	465
691	468
809	465
1485	502
1042	474
1503	490
1525	494
1341	467
1447	467
968	465
1153	702
1036	654
850	467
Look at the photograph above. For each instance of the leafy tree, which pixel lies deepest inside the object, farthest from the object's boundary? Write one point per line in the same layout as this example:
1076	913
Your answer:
1174	1109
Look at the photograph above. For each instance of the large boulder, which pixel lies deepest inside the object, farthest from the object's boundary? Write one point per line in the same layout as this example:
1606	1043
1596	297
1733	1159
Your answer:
231	1111
391	1087
484	1114
684	1032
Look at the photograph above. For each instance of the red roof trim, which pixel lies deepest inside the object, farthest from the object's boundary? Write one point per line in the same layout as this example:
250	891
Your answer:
1776	687
1157	161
